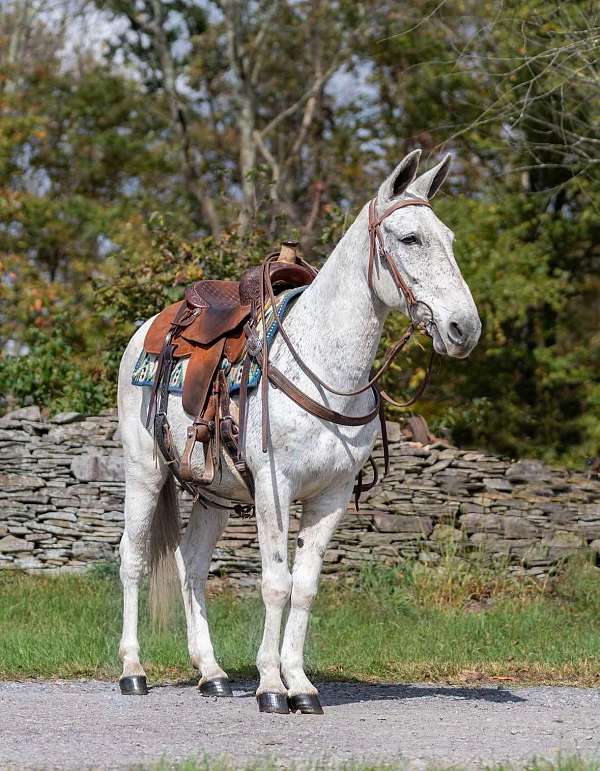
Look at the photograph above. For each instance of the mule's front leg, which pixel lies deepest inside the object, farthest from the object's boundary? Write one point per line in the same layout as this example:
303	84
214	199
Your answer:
272	520
320	518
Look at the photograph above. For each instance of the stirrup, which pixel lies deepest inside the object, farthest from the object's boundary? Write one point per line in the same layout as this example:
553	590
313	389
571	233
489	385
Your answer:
200	431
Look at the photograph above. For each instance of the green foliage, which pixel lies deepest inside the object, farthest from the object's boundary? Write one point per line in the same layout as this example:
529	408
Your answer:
531	385
51	375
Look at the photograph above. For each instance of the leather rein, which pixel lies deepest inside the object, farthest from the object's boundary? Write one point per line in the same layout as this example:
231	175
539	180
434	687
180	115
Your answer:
257	349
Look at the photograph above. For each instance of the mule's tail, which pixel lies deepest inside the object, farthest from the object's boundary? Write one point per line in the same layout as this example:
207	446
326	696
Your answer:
165	535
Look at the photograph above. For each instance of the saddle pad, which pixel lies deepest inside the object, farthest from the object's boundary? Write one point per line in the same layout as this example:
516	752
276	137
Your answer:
144	370
234	372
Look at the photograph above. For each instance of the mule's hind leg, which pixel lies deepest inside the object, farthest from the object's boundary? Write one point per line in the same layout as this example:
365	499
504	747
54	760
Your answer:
320	517
142	497
193	562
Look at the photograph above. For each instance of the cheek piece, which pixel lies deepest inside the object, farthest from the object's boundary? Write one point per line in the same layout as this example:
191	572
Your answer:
376	243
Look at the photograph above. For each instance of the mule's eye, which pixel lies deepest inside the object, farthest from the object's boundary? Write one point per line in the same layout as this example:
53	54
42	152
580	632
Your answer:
411	238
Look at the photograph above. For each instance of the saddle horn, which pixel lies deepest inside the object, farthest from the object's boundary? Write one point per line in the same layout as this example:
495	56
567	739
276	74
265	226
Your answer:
289	251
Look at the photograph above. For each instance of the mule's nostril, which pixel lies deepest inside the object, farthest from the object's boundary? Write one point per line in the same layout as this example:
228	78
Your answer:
455	333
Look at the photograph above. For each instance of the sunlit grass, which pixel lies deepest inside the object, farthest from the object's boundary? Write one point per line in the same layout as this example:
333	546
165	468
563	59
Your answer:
562	763
457	623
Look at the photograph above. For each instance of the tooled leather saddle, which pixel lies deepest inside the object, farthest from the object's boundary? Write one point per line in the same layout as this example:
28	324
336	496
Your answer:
209	327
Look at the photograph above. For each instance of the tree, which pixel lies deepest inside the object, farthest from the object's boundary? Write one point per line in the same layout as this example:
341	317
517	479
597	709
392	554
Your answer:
154	30
78	155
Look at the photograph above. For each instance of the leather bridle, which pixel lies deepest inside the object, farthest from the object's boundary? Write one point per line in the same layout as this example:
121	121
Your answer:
257	348
376	243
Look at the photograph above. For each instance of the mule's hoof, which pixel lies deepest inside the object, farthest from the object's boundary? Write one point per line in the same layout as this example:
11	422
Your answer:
306	703
133	686
273	702
218	687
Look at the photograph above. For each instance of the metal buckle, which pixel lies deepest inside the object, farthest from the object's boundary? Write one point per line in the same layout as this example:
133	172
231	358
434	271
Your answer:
254	346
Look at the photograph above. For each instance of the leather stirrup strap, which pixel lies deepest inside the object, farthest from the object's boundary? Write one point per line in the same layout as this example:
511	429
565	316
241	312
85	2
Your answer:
243	407
162	378
201	430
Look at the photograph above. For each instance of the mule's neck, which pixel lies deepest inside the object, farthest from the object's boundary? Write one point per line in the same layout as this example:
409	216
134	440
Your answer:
347	317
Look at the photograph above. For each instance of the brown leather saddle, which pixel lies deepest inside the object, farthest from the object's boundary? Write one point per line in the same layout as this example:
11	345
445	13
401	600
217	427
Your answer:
204	327
207	327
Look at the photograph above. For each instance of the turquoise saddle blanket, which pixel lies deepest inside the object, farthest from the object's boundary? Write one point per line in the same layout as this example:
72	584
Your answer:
144	370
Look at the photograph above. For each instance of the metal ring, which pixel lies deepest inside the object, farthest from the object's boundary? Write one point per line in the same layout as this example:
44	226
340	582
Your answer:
254	346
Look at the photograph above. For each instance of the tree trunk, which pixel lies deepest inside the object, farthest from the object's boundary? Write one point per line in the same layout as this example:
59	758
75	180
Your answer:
193	181
247	160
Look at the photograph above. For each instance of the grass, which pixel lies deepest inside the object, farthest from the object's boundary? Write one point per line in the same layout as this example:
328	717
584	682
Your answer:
460	622
562	763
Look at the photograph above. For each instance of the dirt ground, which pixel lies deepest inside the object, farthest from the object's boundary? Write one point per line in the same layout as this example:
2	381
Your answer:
88	724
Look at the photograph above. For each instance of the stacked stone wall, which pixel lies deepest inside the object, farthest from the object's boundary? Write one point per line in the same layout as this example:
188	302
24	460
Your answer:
62	494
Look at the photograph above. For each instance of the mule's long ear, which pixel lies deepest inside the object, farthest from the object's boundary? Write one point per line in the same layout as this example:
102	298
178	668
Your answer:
399	179
427	185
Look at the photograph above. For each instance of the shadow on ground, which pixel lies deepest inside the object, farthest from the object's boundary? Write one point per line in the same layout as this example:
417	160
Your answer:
352	693
355	692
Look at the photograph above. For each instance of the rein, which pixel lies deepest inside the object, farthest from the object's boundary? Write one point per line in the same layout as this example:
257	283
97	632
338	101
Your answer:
257	348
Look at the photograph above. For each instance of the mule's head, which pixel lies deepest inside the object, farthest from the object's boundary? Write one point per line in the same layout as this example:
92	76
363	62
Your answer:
421	247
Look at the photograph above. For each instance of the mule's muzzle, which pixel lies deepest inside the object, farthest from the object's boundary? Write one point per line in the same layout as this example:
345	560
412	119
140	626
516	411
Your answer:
459	336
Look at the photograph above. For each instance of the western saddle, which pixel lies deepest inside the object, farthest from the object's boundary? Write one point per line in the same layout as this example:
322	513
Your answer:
210	328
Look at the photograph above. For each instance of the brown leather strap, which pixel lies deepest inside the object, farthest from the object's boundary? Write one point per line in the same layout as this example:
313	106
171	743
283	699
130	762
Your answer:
384	438
243	408
360	487
162	376
420	390
376	239
279	380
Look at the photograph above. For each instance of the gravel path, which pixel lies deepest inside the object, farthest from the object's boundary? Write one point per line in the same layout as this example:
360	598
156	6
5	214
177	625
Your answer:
87	724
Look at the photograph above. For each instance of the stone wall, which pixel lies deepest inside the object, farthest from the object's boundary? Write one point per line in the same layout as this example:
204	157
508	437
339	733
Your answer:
61	504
